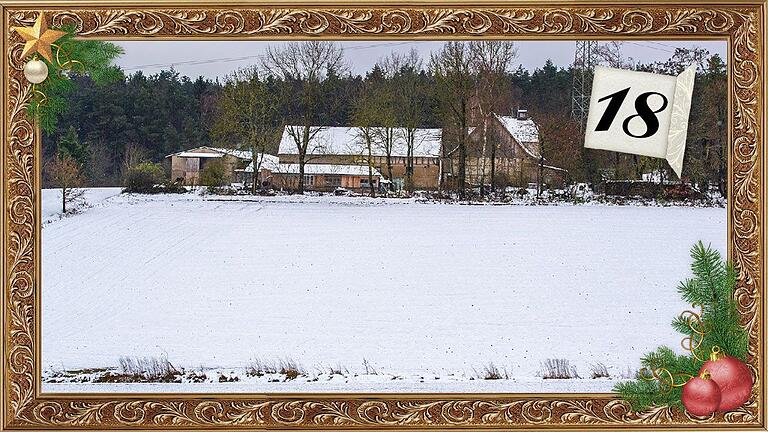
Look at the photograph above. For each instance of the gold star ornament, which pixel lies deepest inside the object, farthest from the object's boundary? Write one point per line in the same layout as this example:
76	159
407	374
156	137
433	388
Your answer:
39	38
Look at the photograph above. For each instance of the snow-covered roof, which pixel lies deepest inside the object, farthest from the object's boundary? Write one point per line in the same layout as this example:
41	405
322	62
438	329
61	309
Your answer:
326	169
348	141
192	154
268	162
240	154
213	152
524	132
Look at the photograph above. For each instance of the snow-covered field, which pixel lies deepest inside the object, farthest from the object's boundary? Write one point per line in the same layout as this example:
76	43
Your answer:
51	200
423	295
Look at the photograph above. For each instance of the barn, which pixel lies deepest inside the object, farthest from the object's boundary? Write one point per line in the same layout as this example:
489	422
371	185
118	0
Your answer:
187	165
344	146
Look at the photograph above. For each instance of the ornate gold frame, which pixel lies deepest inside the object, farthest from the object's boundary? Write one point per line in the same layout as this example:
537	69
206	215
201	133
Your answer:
741	23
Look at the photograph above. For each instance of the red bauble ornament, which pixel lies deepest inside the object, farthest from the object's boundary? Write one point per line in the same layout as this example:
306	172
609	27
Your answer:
733	377
701	395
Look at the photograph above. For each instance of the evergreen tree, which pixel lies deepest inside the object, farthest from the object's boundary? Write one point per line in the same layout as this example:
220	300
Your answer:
71	147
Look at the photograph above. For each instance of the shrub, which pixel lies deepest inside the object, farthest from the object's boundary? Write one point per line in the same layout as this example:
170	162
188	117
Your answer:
599	370
558	369
492	372
260	367
148	368
369	369
144	178
338	370
214	175
290	369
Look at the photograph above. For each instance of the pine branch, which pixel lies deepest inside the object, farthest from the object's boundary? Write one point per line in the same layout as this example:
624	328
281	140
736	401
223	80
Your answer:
78	57
712	288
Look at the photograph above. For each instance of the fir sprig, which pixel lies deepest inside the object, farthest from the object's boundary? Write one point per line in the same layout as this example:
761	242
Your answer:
86	57
710	288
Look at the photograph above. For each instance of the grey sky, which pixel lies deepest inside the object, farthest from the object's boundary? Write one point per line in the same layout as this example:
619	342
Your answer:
213	59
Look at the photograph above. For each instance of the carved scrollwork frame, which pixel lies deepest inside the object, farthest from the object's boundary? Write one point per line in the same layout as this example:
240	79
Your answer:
24	407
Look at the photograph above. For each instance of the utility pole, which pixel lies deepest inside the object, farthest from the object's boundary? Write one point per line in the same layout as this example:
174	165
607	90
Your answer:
583	70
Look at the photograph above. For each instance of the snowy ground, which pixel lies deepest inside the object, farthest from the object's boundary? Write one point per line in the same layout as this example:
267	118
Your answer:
426	295
51	200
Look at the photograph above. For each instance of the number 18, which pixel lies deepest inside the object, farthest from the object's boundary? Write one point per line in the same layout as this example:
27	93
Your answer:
642	110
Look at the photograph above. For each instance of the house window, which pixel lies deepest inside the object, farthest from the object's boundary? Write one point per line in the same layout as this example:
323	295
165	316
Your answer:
309	180
333	181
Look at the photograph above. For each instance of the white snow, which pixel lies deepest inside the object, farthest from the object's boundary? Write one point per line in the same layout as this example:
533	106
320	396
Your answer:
417	290
348	141
51	200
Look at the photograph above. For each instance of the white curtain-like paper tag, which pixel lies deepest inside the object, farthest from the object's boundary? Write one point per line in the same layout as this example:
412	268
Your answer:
640	113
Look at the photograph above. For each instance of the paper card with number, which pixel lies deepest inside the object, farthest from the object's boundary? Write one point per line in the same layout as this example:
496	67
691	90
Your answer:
640	113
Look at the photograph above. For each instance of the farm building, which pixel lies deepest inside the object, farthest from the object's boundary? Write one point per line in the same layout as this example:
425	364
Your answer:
187	165
326	177
345	146
339	157
515	140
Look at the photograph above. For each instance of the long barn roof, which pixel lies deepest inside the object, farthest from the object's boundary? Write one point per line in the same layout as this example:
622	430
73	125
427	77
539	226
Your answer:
348	141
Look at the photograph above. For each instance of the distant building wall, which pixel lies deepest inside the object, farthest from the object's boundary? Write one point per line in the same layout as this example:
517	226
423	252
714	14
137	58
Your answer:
324	182
188	169
426	170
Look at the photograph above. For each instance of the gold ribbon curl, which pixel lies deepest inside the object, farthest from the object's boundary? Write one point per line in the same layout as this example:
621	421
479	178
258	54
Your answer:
666	379
698	331
69	64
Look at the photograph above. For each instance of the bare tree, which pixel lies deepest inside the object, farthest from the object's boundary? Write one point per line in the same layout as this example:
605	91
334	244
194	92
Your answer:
410	102
133	154
452	68
304	65
612	54
65	173
387	114
491	61
247	117
365	118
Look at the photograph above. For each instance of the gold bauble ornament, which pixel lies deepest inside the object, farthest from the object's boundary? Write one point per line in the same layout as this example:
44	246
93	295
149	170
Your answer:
36	71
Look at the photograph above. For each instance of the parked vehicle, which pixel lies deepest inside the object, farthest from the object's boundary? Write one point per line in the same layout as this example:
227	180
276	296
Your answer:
581	191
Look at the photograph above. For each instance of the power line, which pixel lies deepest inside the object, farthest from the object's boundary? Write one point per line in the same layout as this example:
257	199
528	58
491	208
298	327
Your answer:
662	44
249	57
650	47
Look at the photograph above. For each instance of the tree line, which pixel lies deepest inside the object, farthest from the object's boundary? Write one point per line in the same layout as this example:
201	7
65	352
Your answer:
106	129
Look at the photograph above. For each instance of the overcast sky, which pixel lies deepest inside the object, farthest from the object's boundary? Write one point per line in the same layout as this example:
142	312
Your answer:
214	59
